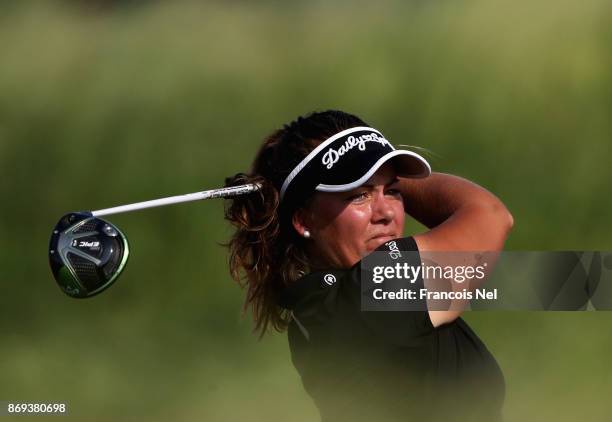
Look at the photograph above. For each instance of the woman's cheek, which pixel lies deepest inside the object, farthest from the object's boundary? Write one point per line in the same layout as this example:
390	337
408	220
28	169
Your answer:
400	218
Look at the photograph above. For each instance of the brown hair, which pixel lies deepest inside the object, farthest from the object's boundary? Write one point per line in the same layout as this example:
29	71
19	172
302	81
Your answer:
265	252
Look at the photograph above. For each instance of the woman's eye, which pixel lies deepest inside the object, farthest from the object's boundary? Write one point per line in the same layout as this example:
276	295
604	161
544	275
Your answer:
393	192
358	196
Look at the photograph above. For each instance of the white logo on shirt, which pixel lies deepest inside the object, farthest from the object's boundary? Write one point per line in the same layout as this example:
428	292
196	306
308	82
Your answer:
394	251
329	279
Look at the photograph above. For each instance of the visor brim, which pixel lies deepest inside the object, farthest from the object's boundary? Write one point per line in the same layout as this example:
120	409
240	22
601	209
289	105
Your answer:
406	163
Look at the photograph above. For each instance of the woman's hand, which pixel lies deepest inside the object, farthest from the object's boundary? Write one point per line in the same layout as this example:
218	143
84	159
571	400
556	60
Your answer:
461	216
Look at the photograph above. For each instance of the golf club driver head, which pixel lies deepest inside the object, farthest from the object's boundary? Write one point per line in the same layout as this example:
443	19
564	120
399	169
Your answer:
86	254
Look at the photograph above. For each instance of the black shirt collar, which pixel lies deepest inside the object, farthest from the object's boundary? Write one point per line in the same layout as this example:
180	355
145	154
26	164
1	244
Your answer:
318	281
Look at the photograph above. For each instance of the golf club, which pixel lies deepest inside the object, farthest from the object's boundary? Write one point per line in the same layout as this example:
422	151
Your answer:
87	254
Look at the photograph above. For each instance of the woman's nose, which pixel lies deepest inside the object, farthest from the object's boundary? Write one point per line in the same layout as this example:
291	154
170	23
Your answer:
382	208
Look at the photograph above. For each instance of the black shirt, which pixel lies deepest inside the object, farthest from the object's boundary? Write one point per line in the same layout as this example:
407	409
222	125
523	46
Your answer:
386	365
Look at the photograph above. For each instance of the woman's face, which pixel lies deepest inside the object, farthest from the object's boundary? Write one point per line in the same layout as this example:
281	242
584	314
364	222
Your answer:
346	226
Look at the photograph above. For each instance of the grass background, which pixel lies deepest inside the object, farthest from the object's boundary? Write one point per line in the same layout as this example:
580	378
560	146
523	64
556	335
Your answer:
104	103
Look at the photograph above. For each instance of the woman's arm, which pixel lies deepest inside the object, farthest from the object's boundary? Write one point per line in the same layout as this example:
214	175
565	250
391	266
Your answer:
461	216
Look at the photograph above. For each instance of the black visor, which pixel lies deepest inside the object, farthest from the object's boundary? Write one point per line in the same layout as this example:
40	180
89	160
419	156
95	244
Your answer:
346	161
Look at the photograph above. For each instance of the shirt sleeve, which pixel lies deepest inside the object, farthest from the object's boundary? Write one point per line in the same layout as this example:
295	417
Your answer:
402	322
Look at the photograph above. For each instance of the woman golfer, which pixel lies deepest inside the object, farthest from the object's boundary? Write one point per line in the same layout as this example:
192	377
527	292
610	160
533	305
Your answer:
334	190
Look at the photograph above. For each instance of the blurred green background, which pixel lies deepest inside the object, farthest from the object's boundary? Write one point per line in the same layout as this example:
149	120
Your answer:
105	103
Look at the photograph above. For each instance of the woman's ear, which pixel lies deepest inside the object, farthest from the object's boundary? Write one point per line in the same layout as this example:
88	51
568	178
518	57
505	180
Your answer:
300	222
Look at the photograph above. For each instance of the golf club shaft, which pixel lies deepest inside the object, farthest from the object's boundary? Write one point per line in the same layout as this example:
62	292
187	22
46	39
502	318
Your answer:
196	196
